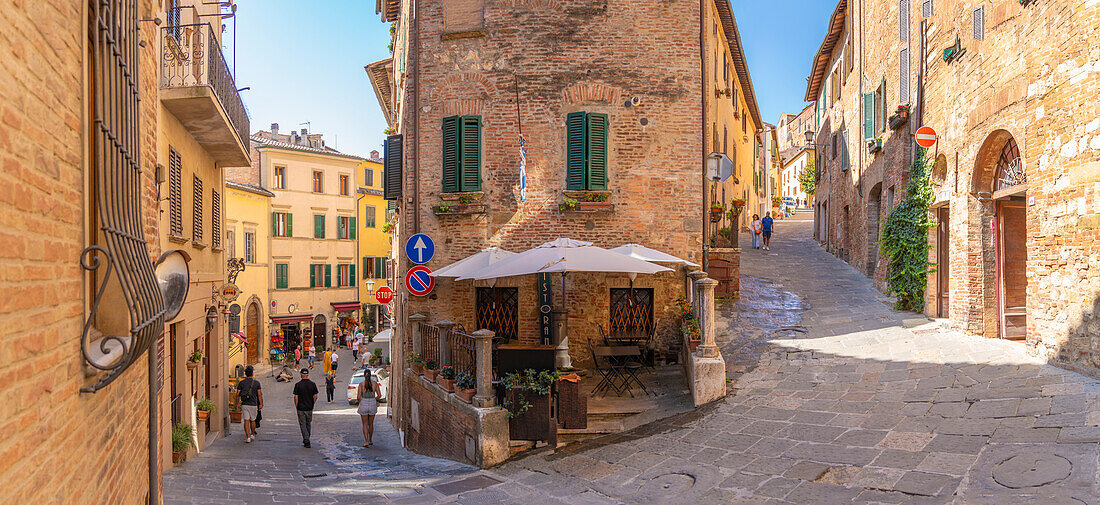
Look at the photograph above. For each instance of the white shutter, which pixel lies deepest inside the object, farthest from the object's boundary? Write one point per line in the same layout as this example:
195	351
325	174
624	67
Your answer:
926	8
903	78
903	20
979	23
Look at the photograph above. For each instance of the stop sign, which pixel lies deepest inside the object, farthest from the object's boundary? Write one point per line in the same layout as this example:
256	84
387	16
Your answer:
384	294
926	136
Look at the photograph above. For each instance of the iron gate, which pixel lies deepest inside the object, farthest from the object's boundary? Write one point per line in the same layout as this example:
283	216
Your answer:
498	310
631	311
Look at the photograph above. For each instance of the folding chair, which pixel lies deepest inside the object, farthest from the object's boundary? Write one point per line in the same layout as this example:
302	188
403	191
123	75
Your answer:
610	373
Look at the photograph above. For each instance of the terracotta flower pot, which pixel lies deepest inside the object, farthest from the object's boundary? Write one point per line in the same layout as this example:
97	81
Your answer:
466	395
419	369
430	375
202	414
234	416
178	457
191	365
693	344
448	385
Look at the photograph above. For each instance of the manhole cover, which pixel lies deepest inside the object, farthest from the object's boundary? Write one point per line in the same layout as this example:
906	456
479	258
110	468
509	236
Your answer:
1031	470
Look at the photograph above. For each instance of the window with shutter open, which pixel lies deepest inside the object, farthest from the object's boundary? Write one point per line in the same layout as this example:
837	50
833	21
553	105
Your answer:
391	172
586	151
461	154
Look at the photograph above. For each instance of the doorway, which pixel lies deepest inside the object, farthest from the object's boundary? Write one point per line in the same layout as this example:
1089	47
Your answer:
943	261
874	210
319	333
1000	188
1011	231
252	334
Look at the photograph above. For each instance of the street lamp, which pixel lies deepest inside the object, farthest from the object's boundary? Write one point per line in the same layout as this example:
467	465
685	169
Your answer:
370	287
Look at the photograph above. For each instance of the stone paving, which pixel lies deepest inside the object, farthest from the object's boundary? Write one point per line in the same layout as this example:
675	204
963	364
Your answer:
834	398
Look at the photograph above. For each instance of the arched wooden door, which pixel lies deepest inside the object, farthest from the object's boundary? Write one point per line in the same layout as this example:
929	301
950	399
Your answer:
319	334
252	334
1010	233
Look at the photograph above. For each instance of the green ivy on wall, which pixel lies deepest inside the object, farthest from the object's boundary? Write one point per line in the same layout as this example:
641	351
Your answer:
904	239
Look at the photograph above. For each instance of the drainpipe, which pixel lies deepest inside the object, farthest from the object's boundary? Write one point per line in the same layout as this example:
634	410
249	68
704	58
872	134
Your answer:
154	419
414	157
703	123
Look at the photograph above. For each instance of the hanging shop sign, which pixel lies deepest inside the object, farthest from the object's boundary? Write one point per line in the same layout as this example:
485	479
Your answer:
546	319
229	292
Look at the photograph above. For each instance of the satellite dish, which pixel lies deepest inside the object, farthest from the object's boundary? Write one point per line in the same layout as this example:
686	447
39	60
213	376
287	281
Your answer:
173	278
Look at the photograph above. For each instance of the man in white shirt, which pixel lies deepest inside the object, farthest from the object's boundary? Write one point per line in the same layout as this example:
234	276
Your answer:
334	360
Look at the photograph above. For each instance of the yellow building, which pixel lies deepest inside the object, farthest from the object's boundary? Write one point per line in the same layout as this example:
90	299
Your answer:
314	237
374	243
202	128
248	237
732	116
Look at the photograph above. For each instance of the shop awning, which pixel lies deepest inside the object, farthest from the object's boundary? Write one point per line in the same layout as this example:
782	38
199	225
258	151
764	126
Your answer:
296	318
345	306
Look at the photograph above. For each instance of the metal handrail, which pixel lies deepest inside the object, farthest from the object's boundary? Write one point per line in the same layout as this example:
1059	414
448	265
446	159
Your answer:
186	61
462	353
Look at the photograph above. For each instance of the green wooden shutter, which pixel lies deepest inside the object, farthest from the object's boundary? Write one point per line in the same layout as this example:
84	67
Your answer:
382	268
450	154
289	224
470	152
328	275
351	274
378	262
597	151
274	224
313	276
868	116
575	141
351	229
391	174
882	112
366	269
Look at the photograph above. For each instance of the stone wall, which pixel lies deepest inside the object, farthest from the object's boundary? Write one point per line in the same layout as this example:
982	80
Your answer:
443	426
565	56
58	445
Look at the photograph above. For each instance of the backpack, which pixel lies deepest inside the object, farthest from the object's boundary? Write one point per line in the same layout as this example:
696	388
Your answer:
247	393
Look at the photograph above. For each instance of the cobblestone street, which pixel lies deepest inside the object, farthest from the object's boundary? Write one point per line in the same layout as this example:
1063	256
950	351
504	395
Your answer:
834	398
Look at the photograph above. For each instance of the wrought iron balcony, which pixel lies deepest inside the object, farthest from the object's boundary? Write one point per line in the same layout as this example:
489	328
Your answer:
198	89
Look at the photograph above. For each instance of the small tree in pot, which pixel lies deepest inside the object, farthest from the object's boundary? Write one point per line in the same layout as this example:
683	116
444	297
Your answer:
181	441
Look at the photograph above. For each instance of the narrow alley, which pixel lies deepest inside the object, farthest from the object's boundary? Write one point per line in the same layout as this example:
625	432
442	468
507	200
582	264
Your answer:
835	398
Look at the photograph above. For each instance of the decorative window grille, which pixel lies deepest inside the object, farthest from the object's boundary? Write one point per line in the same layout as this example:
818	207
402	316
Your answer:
631	312
196	205
979	23
216	218
1010	171
175	193
116	168
498	310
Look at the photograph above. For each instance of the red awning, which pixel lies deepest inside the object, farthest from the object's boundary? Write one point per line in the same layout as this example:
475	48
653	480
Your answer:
296	318
345	306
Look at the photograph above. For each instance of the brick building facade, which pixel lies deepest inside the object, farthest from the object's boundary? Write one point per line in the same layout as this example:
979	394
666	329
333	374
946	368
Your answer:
1016	167
542	68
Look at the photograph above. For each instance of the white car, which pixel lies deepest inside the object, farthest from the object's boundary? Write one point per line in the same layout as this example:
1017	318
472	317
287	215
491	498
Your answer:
381	377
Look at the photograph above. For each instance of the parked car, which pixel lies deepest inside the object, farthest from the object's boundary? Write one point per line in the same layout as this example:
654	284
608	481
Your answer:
381	377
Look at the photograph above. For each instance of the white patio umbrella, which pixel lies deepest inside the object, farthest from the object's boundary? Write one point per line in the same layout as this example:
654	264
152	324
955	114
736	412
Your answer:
567	255
473	263
649	254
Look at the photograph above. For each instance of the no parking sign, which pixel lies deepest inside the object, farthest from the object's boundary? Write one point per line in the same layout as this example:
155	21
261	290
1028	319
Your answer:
419	281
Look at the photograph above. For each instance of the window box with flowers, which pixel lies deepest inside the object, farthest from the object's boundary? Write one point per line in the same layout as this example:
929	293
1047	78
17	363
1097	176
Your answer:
717	209
461	204
900	117
874	145
586	201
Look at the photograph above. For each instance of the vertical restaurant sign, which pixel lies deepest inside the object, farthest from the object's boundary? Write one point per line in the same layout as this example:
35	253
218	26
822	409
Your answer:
546	322
522	170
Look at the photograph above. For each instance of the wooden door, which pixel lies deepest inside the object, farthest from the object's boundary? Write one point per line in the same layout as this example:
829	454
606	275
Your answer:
252	334
943	261
1011	223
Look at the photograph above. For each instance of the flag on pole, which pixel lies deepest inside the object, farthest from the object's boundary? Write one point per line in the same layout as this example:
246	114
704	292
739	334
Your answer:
522	170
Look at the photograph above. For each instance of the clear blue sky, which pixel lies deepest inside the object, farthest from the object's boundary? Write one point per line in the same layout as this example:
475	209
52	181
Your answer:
304	62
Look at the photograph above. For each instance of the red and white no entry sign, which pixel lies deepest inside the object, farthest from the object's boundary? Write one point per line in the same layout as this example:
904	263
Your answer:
926	136
384	294
419	280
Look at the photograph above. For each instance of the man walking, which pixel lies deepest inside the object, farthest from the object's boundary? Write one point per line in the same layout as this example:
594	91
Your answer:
766	225
335	361
251	400
305	396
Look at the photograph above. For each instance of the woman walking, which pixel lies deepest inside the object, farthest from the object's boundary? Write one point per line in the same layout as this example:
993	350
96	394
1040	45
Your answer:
330	385
754	227
368	406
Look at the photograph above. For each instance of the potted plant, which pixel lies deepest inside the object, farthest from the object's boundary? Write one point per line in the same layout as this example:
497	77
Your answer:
777	202
375	358
181	441
445	208
431	370
874	145
901	115
204	408
195	358
465	387
416	362
234	414
527	399
568	204
691	329
447	377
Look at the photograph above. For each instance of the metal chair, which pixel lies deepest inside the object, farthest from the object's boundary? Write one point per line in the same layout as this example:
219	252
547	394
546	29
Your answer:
610	373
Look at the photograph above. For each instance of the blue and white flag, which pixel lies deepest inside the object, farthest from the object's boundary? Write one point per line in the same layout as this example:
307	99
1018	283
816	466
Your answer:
522	170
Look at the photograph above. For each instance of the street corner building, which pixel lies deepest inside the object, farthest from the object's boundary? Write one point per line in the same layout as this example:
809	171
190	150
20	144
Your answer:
515	124
1014	171
113	146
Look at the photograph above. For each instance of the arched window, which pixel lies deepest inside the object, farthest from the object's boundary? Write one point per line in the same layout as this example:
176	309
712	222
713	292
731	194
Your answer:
1010	171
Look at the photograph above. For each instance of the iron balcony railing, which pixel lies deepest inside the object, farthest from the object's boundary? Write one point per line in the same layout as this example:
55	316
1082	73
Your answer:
192	56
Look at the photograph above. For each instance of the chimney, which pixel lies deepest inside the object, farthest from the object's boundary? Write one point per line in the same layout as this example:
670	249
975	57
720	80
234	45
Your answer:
374	154
274	128
303	132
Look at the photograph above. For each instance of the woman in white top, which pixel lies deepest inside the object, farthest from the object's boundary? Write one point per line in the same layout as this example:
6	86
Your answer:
755	228
368	406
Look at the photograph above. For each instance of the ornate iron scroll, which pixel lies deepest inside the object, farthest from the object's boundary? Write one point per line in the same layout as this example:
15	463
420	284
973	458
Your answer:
117	166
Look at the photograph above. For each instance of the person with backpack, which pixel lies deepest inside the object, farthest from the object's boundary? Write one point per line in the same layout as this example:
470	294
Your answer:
250	398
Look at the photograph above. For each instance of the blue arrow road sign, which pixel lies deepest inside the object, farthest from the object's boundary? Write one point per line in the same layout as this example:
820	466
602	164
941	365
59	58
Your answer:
420	248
